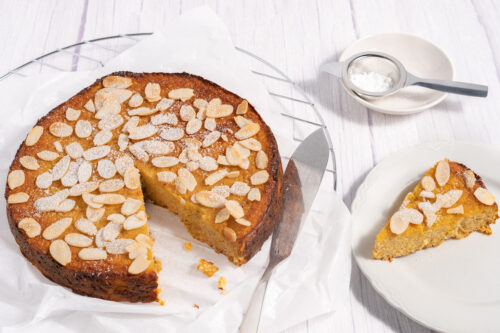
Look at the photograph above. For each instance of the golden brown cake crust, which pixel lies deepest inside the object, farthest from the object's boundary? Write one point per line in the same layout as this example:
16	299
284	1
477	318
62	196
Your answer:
98	280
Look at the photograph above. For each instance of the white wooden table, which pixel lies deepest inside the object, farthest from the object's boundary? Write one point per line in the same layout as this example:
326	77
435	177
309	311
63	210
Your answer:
298	36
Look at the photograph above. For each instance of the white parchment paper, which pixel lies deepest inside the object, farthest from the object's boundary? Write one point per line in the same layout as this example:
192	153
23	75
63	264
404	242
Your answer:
313	281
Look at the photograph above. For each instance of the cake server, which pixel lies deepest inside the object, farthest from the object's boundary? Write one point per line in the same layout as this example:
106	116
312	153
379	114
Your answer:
301	181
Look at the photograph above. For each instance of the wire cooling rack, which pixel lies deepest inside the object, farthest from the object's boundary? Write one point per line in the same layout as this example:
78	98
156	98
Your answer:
301	113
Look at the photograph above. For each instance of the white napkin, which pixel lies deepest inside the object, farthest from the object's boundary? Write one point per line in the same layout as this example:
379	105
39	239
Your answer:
313	281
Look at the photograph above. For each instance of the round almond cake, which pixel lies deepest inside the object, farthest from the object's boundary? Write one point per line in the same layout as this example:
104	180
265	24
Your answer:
75	190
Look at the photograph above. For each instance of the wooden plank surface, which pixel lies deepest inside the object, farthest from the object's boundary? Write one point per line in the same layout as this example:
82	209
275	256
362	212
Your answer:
298	36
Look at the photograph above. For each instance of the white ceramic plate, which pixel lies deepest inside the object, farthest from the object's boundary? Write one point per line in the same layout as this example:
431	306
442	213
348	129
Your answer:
454	287
419	56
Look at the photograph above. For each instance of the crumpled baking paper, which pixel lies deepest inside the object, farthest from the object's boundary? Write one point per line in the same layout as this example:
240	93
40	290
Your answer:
313	281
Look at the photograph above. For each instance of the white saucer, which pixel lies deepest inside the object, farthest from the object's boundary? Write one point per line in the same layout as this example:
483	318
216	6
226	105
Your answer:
419	56
454	287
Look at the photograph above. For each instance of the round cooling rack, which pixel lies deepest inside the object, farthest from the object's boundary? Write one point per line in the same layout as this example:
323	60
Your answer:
302	115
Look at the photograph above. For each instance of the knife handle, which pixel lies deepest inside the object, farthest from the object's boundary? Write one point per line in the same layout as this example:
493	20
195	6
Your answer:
251	319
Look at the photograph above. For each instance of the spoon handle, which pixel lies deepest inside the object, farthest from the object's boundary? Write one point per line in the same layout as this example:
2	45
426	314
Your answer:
454	87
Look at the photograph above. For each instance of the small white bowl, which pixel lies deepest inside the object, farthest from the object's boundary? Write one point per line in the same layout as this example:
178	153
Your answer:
419	56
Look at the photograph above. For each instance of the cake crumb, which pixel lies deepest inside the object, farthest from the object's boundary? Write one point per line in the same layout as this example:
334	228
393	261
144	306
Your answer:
222	284
196	306
206	267
188	246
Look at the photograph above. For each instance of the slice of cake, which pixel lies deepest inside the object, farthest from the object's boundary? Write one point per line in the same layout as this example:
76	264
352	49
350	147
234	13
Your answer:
450	201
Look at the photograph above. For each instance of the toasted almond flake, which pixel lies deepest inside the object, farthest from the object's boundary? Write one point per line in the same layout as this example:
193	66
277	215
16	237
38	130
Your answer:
142	111
136	100
78	240
60	130
132	178
193	154
224	137
34	135
242	107
261	160
47	155
233	174
447	199
123	163
109	199
60	251
66	205
200	103
247	131
166	177
30	226
143	132
96	153
89	200
83	128
79	189
144	240
484	196
234	209
456	210
187	178
84	172
242	151
19	197
102	137
183	156
222	215
193	126
116	218
71	176
106	169
211	138
260	177
172	133
192	165
469	178
187	113
15	179
123	141
137	150
240	188
92	253
109	107
428	183
427	194
165	161
216	176
111	185
210	199
165	118
182	93
115	81
131	206
131	124
119	95
158	147
164	104
243	222
210	124
119	246
29	162
86	226
72	114
202	114
233	156
152	92
60	168
133	222
222	190
58	146
221	159
442	174
254	194
111	231
47	204
251	144
219	111
135	249
74	150
398	224
139	265
89	106
229	234
241	121
208	163
94	214
429	211
57	228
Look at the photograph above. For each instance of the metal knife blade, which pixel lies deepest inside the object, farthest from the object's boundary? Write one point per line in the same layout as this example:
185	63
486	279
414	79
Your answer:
301	182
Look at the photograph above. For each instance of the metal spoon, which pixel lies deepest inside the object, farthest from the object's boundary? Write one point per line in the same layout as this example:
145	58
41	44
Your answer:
389	66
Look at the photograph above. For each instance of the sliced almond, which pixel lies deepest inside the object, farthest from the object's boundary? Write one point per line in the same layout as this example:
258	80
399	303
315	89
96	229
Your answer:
216	176
442	174
61	167
166	177
469	178
137	150
229	234
47	155
254	194
89	106
233	174
193	126
208	163
29	162
456	210
398	224
131	206
136	100
71	176
132	178
110	106
109	199
83	128
142	111
79	189
111	185
182	93
247	131
233	156
152	92
60	251
60	130
140	264
143	132
131	124
260	177
447	199
144	240
261	160
85	226
164	104
78	240
234	209
243	222
72	114
44	180
30	226
94	214
240	188
429	211
116	218
96	153
244	164
219	111
241	121
210	199
74	150
84	172
111	231
19	197
484	196
165	161
92	253
123	163
210	124
222	215
210	139
428	183
34	135
102	137
165	118
222	190
106	169
158	147
242	107
58	146
123	141
119	246
47	204
15	179
427	194
66	205
187	113
252	144
57	228
115	81
187	178
133	222
172	133
221	159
